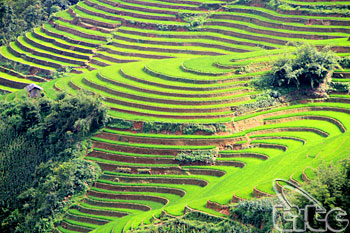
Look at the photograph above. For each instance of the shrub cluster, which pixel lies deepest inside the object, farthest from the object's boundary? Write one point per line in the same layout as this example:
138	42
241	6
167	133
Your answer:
320	9
191	128
194	221
345	62
307	67
120	124
194	20
19	16
268	99
201	156
157	127
339	87
42	142
257	213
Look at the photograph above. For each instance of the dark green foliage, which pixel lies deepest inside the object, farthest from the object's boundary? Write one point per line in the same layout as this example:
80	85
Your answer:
320	9
307	67
345	62
265	100
194	20
193	128
331	187
19	16
211	6
120	124
44	203
207	128
256	212
197	156
340	87
195	222
157	127
41	140
123	170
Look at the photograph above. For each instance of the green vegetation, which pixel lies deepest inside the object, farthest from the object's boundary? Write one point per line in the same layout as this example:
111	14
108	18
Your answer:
205	157
18	17
308	68
209	101
42	169
329	186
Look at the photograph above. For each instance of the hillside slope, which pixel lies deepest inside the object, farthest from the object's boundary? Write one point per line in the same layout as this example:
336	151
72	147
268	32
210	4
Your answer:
186	102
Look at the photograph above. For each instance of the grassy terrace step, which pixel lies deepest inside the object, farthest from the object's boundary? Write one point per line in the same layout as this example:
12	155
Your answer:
172	188
19	52
135	15
278	32
126	9
77	226
280	24
250	31
175	72
227	30
39	34
32	39
173	49
154	146
139	52
7	89
107	211
143	8
80	31
118	80
13	82
93	81
25	44
164	4
188	35
84	217
163	198
135	72
160	108
323	106
322	3
6	53
318	20
70	37
156	180
177	42
100	20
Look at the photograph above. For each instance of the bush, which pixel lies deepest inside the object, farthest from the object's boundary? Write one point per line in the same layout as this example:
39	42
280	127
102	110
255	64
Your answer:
194	20
120	124
257	213
345	62
123	170
265	100
307	67
42	142
157	127
202	156
339	87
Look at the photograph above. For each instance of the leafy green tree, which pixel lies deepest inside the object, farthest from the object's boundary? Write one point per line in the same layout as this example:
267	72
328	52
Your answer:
41	143
331	187
307	67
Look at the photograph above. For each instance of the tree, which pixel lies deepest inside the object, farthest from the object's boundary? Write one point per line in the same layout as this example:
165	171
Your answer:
41	145
307	67
331	187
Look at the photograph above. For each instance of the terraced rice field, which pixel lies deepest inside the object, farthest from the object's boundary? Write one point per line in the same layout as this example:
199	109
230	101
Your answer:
97	33
142	179
150	67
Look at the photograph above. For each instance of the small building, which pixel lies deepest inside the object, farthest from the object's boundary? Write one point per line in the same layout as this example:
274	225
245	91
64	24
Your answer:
33	90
